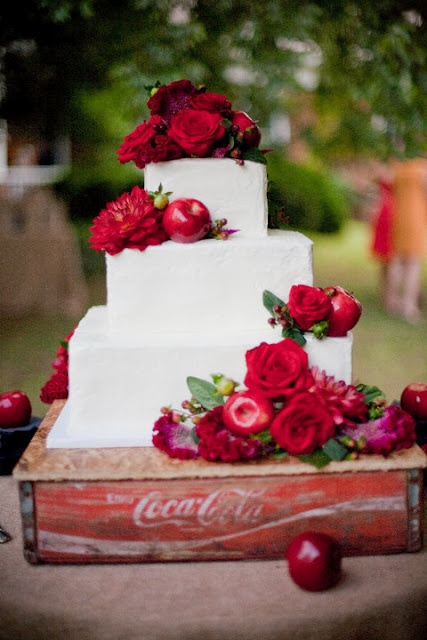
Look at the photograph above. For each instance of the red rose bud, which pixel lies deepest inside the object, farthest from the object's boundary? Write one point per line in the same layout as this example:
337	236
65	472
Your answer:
248	132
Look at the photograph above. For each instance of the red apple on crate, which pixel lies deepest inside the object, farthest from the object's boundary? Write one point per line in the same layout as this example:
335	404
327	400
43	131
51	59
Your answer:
314	561
346	311
15	409
247	412
186	220
414	400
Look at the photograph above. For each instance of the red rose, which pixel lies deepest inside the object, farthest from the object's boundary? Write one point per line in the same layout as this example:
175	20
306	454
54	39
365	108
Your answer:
196	132
207	101
277	369
303	425
308	305
134	145
149	143
247	129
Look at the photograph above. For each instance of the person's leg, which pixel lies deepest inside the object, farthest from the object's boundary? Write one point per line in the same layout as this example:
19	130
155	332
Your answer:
412	289
393	286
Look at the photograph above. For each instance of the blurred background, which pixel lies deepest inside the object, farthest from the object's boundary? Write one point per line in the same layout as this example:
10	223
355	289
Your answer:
339	89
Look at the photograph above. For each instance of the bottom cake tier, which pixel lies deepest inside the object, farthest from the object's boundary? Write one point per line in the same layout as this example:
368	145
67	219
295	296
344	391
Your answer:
118	387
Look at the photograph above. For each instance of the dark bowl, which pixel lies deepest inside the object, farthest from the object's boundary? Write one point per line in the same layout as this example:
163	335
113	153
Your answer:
13	443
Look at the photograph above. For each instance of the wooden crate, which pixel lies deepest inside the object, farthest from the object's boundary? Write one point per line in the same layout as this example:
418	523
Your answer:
137	505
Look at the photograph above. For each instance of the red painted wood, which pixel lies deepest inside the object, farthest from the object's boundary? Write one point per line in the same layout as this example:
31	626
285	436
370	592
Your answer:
218	519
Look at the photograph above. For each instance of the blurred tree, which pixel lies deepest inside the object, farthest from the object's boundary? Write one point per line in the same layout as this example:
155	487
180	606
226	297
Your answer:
358	68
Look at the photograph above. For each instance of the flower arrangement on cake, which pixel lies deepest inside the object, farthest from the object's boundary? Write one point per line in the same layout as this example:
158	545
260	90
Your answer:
190	122
287	408
185	122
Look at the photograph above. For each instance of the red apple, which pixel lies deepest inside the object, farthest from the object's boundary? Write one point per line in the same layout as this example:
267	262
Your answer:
248	130
186	220
15	409
346	311
414	400
314	561
247	412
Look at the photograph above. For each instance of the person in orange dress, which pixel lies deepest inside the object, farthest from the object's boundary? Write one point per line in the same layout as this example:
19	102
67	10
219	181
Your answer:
409	227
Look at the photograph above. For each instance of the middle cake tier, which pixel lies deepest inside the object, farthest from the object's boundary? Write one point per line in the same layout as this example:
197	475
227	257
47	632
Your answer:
211	287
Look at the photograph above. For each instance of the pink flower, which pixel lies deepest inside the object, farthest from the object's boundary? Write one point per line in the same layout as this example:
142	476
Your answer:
393	431
344	401
130	222
174	438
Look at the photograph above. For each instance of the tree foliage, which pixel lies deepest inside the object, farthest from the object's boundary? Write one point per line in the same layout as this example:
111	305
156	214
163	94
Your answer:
360	67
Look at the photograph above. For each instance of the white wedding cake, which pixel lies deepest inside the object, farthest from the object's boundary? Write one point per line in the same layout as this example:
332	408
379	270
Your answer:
178	310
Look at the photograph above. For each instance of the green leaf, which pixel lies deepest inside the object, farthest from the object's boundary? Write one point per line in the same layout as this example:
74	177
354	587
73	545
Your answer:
204	392
335	450
318	459
295	334
270	301
371	392
254	155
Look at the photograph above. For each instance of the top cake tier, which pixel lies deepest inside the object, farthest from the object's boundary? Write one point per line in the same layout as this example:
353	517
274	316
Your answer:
228	189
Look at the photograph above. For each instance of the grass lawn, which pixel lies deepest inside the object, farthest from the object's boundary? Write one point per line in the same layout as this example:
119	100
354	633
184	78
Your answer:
387	352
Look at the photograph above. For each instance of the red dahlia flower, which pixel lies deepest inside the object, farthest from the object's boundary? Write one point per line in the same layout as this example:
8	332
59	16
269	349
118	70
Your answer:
130	222
344	401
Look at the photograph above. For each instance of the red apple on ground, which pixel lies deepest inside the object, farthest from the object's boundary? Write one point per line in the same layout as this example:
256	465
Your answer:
15	409
247	412
346	311
248	129
186	220
414	400
314	561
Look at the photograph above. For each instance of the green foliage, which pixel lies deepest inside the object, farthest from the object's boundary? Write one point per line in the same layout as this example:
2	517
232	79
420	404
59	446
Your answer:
305	198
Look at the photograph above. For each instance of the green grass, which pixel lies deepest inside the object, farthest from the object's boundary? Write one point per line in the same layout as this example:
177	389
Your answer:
387	352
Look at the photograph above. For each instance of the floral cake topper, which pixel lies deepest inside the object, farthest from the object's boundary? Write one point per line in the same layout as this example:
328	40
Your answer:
190	122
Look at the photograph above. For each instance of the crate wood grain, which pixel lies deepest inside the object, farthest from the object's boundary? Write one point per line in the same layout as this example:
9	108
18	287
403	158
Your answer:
137	505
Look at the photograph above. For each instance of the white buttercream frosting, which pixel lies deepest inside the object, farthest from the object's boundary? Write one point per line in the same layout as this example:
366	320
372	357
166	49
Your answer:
229	190
179	310
118	385
211	287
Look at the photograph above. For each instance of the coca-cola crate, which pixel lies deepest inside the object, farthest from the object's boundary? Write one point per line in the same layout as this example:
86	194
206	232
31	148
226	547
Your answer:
137	505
